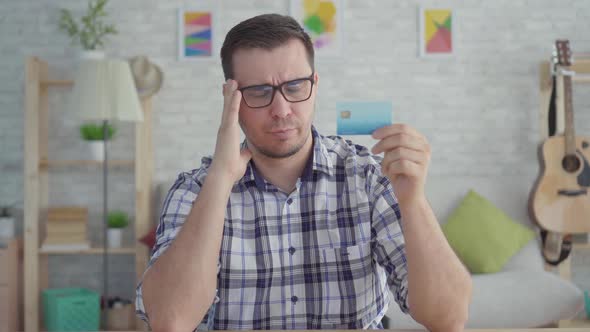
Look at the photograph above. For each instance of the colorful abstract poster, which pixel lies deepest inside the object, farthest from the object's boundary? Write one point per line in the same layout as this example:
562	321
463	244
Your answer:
195	35
436	32
322	20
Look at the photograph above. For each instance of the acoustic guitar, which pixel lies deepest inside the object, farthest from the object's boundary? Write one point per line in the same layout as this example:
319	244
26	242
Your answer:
560	199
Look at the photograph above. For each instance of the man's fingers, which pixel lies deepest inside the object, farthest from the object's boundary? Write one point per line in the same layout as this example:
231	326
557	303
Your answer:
227	87
399	167
231	103
405	154
399	140
396	128
246	154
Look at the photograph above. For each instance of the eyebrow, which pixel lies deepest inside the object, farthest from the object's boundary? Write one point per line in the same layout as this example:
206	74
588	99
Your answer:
289	80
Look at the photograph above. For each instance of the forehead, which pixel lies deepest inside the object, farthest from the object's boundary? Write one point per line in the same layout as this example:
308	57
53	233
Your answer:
283	63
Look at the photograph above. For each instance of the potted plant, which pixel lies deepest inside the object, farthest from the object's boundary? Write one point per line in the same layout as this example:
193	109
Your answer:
94	135
117	220
91	31
6	222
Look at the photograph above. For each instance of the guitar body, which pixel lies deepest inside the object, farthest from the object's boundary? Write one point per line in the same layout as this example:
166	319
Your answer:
560	200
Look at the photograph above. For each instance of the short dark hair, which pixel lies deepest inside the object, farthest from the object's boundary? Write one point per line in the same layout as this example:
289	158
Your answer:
266	31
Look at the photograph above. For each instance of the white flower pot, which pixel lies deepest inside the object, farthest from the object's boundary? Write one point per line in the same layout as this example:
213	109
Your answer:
92	55
96	150
114	237
7	227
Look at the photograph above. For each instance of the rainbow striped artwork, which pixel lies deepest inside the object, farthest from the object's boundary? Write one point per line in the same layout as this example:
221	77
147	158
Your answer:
322	20
195	34
436	32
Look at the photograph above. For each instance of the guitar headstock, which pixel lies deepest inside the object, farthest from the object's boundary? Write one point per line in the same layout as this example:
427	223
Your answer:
563	53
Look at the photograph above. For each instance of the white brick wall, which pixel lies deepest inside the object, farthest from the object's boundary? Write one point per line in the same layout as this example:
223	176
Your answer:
478	108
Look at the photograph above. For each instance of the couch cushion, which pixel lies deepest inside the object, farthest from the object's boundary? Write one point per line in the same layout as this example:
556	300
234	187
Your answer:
483	236
528	258
509	193
512	299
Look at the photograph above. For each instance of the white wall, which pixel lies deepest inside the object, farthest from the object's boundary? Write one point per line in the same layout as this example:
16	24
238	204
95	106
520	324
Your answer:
478	109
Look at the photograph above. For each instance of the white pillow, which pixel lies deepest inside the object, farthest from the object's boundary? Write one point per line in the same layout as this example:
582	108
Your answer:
522	299
512	299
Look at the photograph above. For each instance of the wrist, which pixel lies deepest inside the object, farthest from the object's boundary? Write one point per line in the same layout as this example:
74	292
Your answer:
219	177
413	202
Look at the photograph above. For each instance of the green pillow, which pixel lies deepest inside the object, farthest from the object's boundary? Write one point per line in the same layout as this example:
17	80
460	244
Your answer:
483	236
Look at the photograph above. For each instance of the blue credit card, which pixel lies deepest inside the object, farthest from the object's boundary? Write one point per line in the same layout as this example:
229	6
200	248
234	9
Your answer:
362	118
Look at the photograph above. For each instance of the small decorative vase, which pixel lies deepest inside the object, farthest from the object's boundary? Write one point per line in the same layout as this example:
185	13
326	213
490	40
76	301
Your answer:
91	55
114	237
96	150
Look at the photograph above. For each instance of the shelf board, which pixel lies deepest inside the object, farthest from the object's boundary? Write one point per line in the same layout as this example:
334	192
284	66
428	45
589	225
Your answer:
91	251
43	164
575	323
581	245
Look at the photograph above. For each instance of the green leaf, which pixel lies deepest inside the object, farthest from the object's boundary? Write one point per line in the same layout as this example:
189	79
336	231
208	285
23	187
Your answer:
94	132
117	219
92	31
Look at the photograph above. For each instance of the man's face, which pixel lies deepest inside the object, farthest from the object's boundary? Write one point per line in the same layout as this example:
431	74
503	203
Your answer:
282	128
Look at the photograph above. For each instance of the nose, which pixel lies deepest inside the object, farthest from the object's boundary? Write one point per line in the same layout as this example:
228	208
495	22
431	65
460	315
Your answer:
280	107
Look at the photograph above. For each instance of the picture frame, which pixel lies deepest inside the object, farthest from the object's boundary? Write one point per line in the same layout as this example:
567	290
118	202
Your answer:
196	33
323	23
437	32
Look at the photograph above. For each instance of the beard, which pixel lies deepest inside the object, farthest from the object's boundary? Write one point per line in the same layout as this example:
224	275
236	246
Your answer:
280	155
292	150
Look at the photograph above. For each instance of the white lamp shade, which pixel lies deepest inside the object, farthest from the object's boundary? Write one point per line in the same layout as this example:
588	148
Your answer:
105	90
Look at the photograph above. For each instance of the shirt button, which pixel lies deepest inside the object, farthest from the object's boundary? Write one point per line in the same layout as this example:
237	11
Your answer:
294	299
289	201
291	250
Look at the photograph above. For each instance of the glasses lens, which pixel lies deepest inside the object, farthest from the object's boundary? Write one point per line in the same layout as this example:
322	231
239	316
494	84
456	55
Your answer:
258	96
295	91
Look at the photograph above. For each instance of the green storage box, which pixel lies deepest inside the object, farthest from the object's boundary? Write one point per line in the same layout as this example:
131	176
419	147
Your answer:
71	309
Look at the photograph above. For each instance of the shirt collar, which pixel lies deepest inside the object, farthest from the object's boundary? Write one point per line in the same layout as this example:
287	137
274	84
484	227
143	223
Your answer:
319	161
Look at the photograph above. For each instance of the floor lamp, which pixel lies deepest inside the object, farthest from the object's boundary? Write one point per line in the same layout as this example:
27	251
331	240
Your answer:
104	90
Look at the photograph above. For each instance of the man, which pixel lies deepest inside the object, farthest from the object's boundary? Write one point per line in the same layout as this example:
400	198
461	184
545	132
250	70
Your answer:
291	229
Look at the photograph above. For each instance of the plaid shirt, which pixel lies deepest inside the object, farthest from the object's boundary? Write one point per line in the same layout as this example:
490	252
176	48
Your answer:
322	257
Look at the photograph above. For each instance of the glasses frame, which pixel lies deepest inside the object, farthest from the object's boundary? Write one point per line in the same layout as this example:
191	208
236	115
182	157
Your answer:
279	88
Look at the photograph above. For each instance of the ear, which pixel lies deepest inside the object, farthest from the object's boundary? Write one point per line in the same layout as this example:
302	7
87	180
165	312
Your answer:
316	78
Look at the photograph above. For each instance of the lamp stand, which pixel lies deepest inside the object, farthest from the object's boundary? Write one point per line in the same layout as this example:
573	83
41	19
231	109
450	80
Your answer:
105	256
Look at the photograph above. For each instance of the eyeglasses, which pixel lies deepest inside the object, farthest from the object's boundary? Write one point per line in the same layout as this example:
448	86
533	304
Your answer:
294	91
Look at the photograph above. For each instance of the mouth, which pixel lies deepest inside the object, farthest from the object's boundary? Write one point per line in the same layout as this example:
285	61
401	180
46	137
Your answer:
283	133
281	130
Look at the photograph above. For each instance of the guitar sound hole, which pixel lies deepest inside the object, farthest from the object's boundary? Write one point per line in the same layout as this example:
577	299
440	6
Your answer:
571	163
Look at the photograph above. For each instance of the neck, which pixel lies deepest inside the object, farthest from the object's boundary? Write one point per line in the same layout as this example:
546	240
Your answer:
284	172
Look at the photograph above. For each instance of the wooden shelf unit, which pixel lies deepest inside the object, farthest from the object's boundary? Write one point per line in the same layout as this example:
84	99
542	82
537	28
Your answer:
36	168
580	66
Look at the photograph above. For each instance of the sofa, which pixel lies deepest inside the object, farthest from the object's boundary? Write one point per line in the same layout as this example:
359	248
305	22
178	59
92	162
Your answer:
523	294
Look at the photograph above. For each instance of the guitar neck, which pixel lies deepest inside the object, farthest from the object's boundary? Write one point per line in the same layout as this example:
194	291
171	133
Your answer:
570	136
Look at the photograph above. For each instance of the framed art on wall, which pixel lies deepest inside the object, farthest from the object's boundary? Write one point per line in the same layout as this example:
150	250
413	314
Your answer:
322	20
195	34
437	32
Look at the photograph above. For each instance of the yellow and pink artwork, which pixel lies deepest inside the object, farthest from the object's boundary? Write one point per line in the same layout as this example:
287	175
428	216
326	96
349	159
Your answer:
195	34
436	32
321	19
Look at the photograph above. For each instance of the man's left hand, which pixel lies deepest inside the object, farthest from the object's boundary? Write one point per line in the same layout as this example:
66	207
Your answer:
406	159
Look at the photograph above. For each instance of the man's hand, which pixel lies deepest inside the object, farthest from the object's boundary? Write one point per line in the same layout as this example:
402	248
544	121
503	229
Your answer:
406	160
228	159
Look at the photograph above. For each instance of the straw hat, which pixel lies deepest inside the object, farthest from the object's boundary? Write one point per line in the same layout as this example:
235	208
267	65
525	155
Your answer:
148	76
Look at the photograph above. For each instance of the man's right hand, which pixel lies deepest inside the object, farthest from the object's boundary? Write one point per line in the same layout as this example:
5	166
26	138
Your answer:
229	160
